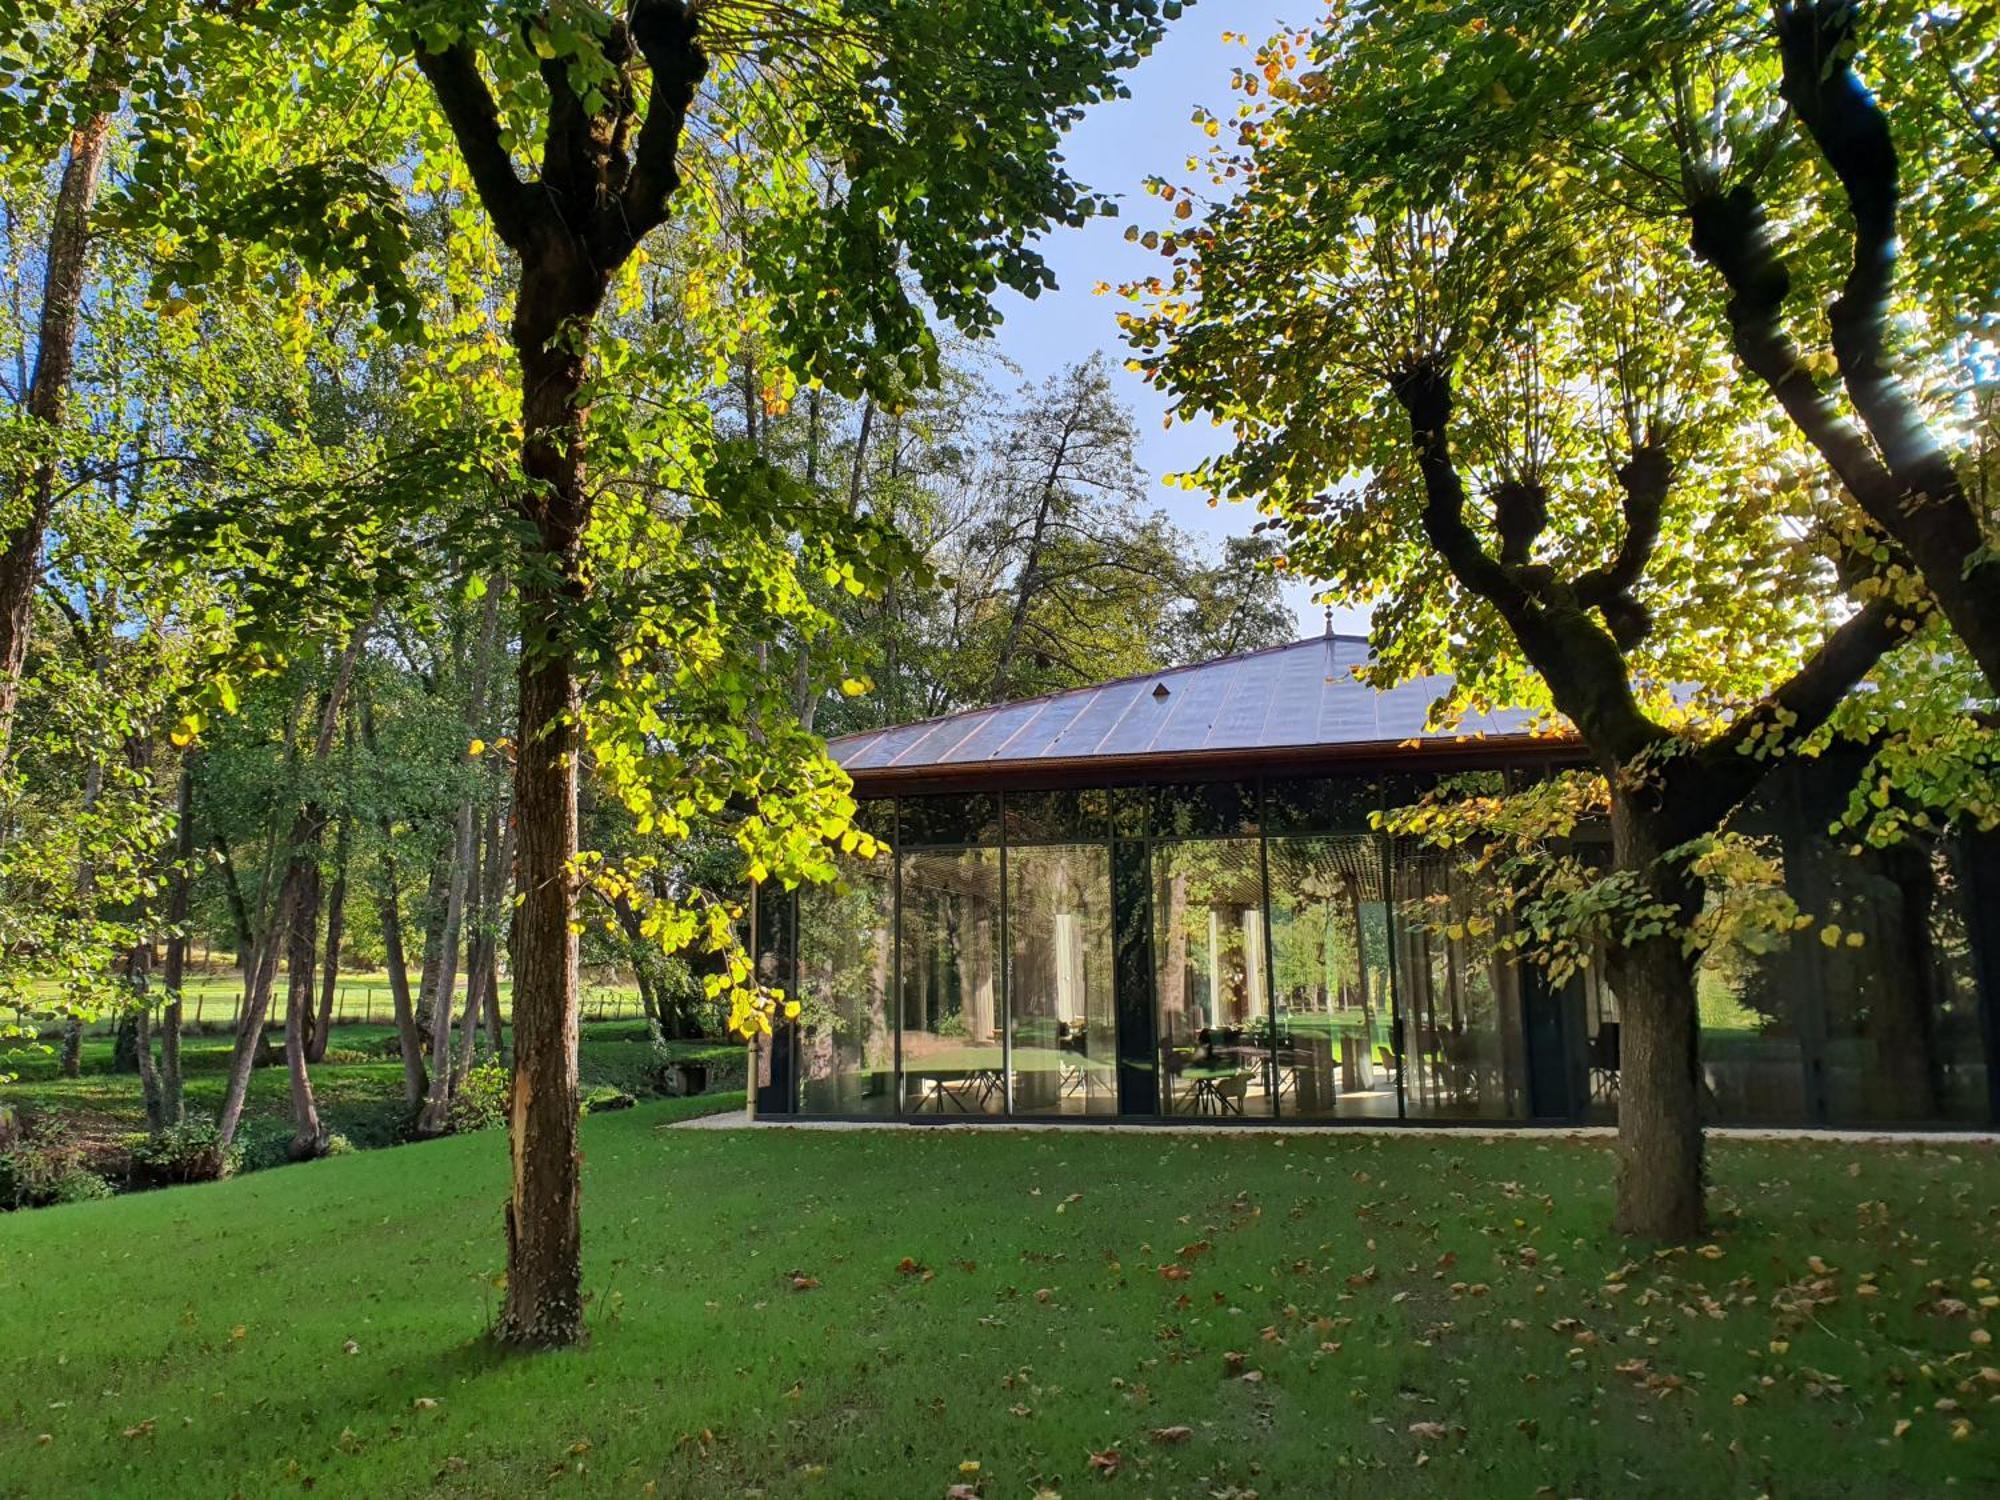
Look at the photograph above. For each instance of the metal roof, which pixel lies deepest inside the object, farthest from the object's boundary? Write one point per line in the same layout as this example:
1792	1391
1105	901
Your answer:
1302	697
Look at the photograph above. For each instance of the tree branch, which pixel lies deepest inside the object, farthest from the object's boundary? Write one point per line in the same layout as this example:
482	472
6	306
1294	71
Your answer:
1424	392
475	123
1816	41
1731	764
1646	478
665	31
1579	660
1731	234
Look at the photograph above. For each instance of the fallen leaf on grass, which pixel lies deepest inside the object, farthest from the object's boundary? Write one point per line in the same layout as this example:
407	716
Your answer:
1425	1432
1107	1462
962	1492
425	1403
143	1429
1170	1435
804	1283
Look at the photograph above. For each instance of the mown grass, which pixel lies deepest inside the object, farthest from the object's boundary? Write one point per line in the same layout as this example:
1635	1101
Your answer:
809	1314
213	991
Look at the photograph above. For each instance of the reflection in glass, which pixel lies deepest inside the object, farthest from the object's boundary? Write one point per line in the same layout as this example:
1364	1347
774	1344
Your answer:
1463	1044
953	1058
1594	1046
1059	1002
1961	1046
1901	1031
1215	1032
1330	966
847	1039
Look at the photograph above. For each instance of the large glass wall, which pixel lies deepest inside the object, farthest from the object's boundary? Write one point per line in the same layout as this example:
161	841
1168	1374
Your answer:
1331	981
1277	957
1463	1046
847	1032
954	1055
1213	978
1062	1019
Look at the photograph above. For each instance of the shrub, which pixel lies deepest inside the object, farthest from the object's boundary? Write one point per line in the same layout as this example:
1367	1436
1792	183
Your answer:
480	1102
260	1149
42	1168
604	1097
80	1187
189	1152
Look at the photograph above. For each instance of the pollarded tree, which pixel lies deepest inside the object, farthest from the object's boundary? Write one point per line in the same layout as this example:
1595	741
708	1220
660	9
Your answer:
1517	422
1831	163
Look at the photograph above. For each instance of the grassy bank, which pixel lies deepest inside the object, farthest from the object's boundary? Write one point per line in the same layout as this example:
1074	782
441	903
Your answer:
874	1313
359	1088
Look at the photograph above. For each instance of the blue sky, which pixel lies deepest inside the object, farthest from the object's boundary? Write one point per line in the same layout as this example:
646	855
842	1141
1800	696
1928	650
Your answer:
1115	148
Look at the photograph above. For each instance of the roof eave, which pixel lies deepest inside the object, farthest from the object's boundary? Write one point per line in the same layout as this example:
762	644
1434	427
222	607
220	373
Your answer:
1049	773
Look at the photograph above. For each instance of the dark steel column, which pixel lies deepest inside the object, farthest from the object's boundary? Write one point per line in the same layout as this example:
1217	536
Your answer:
774	919
1982	925
1132	982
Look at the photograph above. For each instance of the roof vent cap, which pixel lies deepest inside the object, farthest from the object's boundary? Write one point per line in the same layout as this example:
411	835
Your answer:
1161	690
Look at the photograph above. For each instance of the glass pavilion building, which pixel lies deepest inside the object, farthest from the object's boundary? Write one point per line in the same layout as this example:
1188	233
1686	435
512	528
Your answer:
1164	897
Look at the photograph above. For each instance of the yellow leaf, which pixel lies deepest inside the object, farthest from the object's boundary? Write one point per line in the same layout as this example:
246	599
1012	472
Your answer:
476	748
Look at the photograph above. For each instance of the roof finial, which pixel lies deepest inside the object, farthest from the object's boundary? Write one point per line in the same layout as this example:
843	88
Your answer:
1329	619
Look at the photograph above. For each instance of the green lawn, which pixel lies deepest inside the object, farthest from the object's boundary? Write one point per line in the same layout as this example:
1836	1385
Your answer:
213	990
790	1313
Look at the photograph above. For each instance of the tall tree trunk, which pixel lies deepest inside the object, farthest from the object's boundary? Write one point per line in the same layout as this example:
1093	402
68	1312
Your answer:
308	1135
138	966
1660	1175
544	1230
65	270
437	904
480	881
482	978
336	917
388	908
307	826
544	1304
444	992
71	1060
173	1099
568	254
496	1034
409	1038
1031	569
